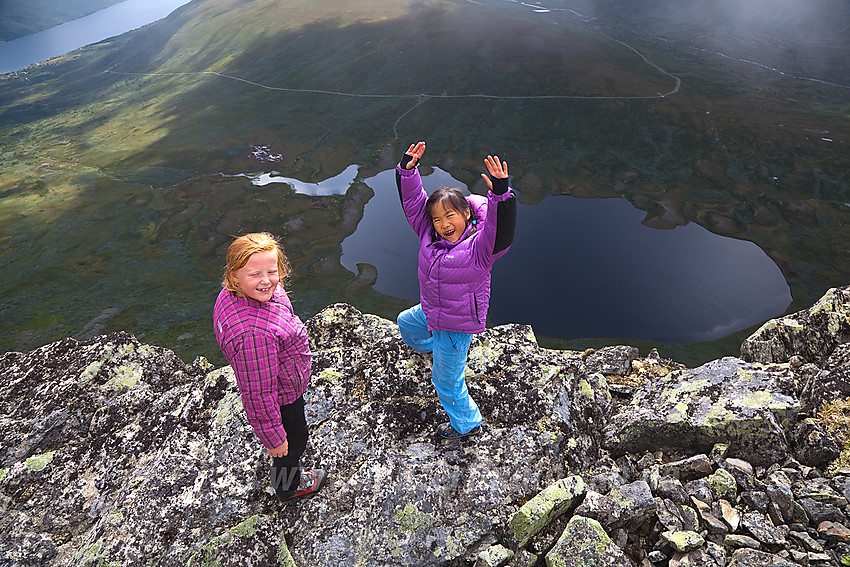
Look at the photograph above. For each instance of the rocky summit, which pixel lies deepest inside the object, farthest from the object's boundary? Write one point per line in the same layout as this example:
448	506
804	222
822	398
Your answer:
118	453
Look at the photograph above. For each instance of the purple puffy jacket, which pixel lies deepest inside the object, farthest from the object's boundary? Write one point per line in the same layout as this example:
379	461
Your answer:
454	278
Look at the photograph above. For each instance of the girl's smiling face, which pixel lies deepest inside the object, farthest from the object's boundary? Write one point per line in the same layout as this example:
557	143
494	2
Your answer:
449	223
259	277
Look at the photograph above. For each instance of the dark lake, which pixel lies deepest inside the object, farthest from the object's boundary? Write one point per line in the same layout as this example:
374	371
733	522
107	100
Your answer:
109	22
604	274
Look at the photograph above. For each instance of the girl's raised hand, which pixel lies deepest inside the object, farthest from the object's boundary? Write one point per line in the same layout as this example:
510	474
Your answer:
498	169
415	150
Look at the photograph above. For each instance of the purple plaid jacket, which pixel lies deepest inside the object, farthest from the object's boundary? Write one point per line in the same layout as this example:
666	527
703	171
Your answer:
267	346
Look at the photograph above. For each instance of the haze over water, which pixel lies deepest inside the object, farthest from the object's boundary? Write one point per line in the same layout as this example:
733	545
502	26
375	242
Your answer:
58	40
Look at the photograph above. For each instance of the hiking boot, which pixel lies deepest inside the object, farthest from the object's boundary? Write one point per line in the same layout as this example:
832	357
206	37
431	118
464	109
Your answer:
310	483
446	431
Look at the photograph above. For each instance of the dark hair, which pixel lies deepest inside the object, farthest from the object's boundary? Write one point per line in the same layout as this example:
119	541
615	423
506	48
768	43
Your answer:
451	198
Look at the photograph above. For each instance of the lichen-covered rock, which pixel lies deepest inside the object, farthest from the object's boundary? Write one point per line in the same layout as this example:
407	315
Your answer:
117	453
813	445
690	468
195	494
818	511
761	528
604	475
723	485
712	555
603	508
612	360
79	420
395	490
727	400
637	503
707	517
746	557
804	540
683	541
585	543
523	558
258	540
832	382
153	460
742	472
554	500
494	556
739	541
811	334
672	489
669	515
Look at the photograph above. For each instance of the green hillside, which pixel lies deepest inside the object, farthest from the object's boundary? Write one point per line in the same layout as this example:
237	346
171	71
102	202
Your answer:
116	195
23	17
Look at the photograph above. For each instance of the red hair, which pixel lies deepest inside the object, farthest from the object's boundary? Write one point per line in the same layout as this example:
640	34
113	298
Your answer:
242	248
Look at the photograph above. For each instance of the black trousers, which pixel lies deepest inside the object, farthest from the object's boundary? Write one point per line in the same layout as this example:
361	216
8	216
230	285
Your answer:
286	471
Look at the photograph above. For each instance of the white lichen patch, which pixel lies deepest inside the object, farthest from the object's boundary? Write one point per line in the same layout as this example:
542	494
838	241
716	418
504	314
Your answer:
114	517
89	490
718	414
124	376
211	378
678	413
198	449
130	431
410	519
88	374
228	408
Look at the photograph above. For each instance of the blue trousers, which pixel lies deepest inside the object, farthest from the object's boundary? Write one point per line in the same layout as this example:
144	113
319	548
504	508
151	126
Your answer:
449	349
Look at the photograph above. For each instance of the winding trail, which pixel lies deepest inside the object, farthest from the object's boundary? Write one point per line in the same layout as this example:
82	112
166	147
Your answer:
422	98
588	19
772	69
426	96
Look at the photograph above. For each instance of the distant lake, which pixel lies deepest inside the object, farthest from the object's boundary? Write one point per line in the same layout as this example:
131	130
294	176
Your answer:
109	22
602	272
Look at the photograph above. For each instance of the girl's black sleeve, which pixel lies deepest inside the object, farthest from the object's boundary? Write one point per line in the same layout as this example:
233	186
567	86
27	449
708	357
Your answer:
505	216
405	161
